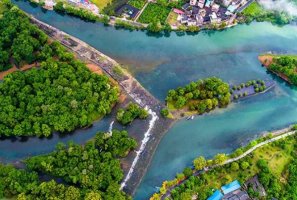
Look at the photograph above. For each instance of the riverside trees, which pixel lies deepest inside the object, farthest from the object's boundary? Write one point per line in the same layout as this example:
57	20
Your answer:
286	65
133	111
201	96
91	171
61	95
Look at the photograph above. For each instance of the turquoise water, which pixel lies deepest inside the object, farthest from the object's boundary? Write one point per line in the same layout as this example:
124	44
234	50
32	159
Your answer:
162	63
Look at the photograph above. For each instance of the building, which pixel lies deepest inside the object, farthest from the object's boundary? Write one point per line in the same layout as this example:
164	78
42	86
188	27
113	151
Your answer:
193	2
209	3
214	18
201	3
232	8
215	7
127	11
231	191
177	11
217	195
235	185
227	2
236	195
255	185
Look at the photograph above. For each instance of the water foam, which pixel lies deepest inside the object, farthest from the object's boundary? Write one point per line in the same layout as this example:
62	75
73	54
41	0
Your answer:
143	143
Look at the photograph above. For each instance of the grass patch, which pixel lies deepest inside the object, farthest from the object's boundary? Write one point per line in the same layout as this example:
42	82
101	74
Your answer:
101	3
254	10
172	18
154	13
118	71
137	3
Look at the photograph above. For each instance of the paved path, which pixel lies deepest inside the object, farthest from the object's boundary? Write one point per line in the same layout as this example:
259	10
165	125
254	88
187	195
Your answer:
136	18
197	173
239	10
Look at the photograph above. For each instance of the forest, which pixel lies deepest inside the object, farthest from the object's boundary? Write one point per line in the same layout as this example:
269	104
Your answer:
60	94
201	96
133	111
92	171
286	65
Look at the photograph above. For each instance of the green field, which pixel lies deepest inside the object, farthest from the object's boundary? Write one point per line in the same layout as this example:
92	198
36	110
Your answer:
254	10
137	3
154	13
101	3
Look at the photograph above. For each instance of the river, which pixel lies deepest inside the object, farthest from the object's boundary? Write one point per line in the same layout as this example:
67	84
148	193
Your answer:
162	63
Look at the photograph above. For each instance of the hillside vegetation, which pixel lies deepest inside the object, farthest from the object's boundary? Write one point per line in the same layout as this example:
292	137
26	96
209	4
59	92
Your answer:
61	94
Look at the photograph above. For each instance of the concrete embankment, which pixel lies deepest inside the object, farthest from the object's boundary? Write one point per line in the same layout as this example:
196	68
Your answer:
136	163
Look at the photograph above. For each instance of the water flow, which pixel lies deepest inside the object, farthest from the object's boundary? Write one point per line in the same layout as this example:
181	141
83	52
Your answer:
110	128
142	147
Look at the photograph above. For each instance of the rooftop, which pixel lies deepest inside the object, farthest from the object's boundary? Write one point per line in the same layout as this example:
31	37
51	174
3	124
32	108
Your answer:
235	185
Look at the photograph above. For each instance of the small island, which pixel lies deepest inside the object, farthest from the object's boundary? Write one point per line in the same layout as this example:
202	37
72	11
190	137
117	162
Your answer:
208	94
250	88
126	116
198	97
284	66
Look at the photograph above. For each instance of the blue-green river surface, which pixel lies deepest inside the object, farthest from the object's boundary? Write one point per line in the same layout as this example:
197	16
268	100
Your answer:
162	63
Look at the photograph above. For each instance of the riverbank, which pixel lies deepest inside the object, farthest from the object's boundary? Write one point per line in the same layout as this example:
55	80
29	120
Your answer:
156	128
254	145
268	59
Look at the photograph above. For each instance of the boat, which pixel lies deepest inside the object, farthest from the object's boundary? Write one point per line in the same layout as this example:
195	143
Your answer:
191	117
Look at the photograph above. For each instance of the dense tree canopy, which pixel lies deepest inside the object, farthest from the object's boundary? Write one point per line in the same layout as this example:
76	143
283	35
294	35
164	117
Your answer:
60	95
286	65
19	40
201	96
94	166
133	111
91	172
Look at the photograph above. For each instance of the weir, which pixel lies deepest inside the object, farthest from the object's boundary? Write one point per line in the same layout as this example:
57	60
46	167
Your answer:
157	125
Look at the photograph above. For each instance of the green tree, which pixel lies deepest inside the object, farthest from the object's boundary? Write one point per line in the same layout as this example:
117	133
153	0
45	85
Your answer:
199	163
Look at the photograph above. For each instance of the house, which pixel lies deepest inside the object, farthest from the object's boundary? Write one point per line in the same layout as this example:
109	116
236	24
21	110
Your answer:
202	12
255	185
186	6
237	195
235	185
232	8
201	3
217	195
227	2
127	11
195	10
177	11
215	7
74	1
214	18
199	19
208	3
192	22
193	2
184	19
231	191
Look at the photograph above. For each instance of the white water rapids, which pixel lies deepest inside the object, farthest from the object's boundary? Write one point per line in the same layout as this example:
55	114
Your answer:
144	141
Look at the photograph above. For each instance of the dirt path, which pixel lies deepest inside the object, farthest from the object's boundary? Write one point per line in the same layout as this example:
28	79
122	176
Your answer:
266	60
14	68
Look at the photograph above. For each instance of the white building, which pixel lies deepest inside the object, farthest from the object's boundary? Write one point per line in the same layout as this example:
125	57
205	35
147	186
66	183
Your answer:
214	18
201	3
193	2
